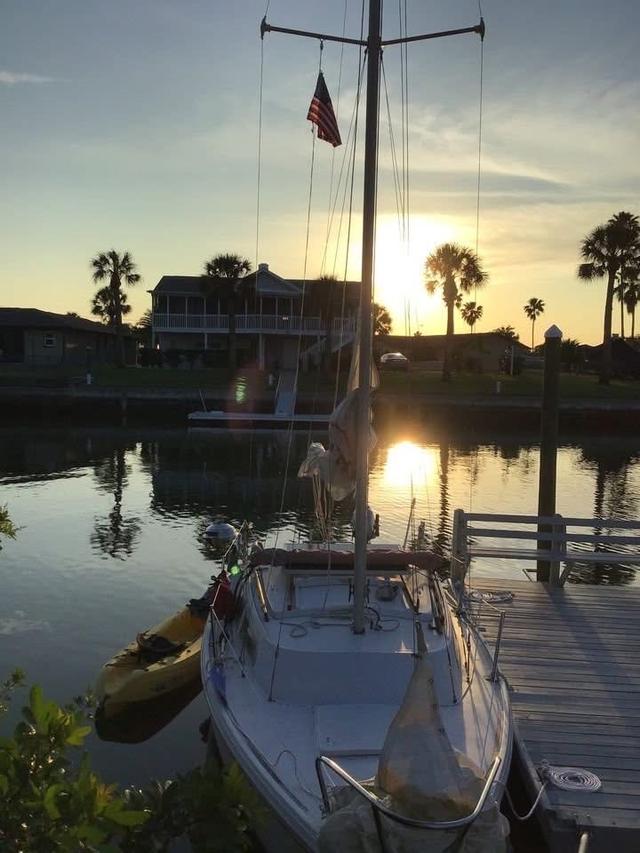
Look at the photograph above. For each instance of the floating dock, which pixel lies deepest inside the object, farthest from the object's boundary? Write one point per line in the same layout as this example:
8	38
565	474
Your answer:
571	656
258	420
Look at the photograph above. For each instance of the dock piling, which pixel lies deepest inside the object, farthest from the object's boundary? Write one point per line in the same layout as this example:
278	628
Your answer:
549	442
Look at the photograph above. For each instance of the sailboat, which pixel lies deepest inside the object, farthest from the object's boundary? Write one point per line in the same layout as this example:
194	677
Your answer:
347	681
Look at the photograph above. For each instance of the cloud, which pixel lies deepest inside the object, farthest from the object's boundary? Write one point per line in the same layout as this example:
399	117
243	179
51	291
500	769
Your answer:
12	78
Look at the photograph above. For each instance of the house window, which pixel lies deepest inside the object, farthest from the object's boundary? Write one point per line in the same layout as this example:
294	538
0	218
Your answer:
49	339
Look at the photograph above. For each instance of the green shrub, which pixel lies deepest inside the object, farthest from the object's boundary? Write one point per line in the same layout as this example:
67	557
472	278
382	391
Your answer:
53	801
6	526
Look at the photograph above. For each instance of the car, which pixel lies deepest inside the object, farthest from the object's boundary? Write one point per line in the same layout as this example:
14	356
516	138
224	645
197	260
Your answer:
394	361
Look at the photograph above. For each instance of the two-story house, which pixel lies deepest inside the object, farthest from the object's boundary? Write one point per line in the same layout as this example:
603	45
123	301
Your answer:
272	314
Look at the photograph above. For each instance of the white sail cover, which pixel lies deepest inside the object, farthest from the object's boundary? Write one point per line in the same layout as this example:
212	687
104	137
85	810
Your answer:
419	776
336	467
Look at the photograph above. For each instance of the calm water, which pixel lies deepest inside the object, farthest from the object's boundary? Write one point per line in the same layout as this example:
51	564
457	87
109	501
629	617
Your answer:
112	521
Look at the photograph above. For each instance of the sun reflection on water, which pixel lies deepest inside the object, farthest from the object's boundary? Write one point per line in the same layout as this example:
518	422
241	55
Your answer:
409	464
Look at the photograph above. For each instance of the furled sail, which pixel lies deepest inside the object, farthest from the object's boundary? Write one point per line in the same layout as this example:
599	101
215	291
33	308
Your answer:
335	467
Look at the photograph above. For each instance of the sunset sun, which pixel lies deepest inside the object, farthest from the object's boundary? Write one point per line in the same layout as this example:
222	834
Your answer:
400	267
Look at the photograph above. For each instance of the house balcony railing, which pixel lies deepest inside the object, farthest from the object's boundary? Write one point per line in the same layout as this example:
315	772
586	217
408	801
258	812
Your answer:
249	323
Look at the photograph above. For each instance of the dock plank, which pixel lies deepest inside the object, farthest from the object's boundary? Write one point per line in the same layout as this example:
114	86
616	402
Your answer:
571	657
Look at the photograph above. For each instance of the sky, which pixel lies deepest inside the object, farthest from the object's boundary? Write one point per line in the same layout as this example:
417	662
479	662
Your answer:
133	124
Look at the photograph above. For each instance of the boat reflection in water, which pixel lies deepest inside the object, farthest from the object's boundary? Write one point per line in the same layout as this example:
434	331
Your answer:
142	720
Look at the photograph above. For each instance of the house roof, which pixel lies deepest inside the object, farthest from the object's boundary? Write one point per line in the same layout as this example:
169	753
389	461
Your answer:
621	348
265	280
184	285
33	318
268	284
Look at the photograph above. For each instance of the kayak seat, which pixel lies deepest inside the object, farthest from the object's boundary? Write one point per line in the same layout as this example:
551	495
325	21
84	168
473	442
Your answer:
153	647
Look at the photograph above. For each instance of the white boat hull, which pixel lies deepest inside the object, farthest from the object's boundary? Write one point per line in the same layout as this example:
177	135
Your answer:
265	725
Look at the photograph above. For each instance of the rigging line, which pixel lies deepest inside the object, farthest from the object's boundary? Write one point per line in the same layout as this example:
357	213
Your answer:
259	176
297	370
394	156
344	194
406	106
354	126
337	194
333	150
348	242
295	387
475	289
362	58
404	117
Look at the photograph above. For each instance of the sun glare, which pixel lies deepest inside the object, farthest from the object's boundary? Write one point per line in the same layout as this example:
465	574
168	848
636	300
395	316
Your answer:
400	269
408	463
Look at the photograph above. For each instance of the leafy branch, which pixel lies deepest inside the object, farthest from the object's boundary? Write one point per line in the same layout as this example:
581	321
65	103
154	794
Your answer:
7	528
53	801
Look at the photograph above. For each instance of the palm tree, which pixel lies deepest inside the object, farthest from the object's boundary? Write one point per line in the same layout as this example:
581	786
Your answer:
231	269
381	320
507	332
631	299
471	313
605	251
456	270
102	306
116	269
533	309
144	328
627	290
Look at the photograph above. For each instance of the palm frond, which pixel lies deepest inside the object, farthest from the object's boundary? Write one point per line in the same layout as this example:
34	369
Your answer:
589	271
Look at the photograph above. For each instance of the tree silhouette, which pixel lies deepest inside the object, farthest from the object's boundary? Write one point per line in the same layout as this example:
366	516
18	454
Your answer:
606	250
507	332
117	537
143	329
381	320
471	313
631	299
116	269
455	270
102	306
533	309
224	274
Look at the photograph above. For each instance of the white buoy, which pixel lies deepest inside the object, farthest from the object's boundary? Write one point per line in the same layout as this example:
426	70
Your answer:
372	522
220	531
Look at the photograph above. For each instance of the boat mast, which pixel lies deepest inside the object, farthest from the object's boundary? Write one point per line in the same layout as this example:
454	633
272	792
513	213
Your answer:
374	49
374	45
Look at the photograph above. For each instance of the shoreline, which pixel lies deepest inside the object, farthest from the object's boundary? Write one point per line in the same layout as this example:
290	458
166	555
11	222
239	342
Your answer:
172	405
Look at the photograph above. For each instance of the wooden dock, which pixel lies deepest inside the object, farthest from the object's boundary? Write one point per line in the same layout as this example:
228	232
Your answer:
571	656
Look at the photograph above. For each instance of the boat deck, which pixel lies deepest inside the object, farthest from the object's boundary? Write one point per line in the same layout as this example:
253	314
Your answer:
571	656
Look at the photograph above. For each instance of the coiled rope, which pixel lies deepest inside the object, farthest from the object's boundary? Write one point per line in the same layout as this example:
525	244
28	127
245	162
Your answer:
564	778
494	596
570	778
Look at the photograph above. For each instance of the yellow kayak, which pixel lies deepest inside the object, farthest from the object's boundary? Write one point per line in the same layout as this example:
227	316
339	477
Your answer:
163	658
159	660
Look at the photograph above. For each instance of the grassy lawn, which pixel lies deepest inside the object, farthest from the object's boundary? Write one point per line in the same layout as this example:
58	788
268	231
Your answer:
529	384
254	383
206	379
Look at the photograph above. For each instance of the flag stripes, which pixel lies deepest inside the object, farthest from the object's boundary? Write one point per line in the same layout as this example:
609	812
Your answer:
322	115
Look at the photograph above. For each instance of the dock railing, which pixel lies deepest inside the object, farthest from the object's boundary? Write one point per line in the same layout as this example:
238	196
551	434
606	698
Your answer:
542	538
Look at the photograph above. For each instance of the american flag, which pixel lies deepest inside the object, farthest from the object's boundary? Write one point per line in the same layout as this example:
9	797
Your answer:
322	115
